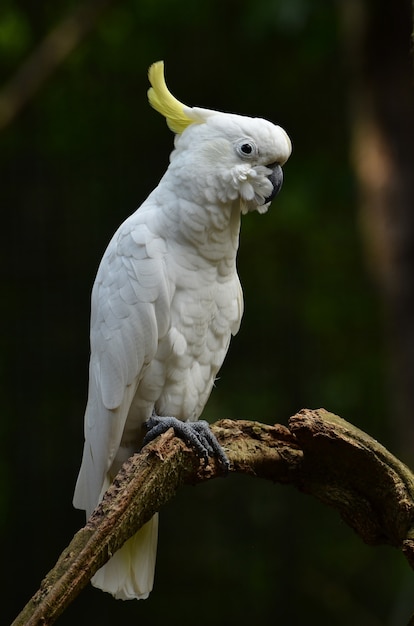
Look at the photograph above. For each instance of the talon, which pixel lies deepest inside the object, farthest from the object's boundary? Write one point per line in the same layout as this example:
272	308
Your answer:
196	434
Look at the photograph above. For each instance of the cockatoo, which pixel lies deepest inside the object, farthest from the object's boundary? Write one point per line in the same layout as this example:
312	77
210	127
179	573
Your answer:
165	303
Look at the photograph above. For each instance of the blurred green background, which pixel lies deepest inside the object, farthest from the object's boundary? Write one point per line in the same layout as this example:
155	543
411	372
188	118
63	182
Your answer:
82	153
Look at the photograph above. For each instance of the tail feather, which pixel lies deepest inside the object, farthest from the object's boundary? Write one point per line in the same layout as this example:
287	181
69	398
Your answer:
129	573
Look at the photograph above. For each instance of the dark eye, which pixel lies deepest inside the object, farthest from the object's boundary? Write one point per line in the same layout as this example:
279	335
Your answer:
246	148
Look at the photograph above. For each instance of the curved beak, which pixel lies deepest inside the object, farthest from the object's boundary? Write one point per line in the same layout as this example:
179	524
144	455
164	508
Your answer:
276	178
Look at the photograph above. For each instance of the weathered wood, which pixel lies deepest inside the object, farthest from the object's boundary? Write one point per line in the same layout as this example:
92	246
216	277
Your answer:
319	453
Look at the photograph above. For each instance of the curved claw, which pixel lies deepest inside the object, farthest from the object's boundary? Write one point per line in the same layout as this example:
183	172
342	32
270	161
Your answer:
196	434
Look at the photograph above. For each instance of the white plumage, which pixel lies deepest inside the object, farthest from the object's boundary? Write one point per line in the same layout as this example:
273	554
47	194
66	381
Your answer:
167	299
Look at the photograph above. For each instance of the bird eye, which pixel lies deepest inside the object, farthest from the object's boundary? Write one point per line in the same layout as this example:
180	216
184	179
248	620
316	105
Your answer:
246	148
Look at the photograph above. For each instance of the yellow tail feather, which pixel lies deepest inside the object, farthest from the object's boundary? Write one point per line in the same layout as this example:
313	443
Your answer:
162	100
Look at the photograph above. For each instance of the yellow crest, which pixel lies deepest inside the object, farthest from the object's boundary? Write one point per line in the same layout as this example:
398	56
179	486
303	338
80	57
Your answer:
162	100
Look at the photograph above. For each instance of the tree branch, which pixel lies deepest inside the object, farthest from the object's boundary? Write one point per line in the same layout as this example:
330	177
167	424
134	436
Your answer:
319	454
46	58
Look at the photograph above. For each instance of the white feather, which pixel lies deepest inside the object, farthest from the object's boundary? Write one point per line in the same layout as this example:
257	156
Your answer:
165	303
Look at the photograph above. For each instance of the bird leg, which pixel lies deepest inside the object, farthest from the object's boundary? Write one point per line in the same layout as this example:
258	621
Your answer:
196	434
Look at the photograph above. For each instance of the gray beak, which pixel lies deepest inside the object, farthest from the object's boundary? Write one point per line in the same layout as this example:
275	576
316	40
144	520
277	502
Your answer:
276	178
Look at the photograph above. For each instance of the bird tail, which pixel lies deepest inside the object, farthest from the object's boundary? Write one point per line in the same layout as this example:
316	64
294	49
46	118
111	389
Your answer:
129	573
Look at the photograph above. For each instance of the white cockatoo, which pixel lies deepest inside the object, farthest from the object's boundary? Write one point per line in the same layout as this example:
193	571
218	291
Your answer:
165	302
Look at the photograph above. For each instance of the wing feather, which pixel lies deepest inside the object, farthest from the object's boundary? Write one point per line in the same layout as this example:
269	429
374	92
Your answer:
129	314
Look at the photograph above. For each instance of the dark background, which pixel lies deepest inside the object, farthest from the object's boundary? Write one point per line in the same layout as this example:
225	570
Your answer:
327	275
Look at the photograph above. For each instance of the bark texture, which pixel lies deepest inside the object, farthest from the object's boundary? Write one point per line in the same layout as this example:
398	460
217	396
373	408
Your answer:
318	453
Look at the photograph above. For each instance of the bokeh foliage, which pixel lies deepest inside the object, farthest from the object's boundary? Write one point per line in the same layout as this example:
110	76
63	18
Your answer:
79	159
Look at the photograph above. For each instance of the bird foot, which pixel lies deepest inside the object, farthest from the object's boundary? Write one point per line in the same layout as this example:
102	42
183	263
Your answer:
197	434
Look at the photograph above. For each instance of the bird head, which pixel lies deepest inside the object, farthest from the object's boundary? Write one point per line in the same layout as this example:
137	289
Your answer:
229	157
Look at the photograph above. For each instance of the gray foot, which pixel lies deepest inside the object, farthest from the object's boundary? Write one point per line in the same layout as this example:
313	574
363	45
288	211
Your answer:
196	434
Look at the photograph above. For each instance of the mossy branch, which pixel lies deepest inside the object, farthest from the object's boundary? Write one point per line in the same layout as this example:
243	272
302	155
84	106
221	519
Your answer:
318	453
